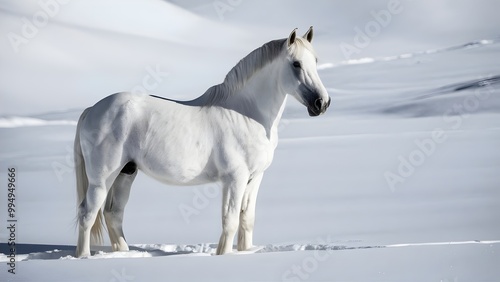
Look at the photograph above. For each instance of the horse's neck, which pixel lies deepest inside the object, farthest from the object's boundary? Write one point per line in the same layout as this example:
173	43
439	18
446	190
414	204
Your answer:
260	98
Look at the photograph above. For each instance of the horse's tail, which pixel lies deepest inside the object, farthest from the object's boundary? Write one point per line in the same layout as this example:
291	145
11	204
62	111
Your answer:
82	183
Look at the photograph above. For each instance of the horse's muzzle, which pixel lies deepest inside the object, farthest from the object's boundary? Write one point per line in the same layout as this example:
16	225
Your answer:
318	107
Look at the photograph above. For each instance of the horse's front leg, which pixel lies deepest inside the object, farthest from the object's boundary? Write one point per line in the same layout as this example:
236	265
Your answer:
233	190
247	214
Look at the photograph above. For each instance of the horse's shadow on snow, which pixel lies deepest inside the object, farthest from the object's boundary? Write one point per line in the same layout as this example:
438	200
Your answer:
25	252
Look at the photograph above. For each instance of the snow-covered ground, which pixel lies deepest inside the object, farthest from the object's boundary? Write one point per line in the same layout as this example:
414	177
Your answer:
398	181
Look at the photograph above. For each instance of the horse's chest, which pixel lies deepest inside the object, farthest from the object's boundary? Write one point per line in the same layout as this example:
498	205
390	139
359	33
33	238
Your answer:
259	155
253	149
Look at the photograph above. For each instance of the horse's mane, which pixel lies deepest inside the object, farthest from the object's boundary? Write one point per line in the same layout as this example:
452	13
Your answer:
243	71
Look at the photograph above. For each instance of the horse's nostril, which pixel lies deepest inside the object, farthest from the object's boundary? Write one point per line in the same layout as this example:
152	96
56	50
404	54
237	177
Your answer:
318	103
329	100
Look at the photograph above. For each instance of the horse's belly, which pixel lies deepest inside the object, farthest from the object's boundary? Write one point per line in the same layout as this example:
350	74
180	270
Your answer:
180	177
179	164
175	146
180	174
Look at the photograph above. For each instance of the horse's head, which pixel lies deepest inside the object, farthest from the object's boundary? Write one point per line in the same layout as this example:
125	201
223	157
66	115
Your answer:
301	78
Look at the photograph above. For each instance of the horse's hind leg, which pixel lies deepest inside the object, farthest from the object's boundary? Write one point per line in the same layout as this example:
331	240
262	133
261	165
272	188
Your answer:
88	213
115	205
101	174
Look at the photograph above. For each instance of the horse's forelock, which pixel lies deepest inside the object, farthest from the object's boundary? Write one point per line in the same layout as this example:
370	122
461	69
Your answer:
300	44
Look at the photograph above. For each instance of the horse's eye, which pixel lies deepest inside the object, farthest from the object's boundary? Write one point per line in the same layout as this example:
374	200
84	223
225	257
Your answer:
296	64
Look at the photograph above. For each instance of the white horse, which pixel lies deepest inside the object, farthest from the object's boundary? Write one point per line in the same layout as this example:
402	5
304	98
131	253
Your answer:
227	135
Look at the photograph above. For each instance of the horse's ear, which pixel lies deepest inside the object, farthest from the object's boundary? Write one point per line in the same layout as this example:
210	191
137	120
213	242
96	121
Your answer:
309	34
291	37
